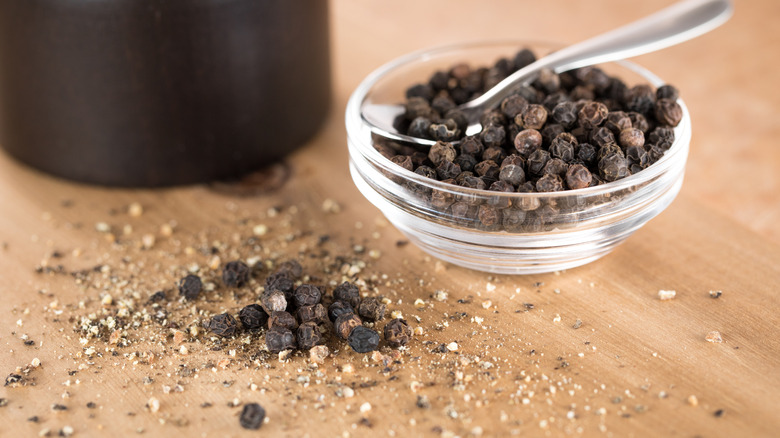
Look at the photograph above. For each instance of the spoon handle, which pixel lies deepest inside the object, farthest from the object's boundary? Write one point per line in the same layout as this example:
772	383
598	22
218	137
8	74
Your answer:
677	23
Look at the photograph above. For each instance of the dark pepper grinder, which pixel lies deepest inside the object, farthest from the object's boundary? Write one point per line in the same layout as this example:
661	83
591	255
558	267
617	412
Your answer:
160	92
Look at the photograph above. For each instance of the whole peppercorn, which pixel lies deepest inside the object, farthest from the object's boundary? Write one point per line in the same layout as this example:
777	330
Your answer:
472	182
578	177
442	103
235	274
345	323
460	119
307	295
441	151
550	131
404	161
315	313
512	218
549	183
667	92
279	281
278	339
372	309
529	93
640	98
533	117
586	153
555	166
363	340
252	416
291	268
489	215
594	77
617	121
581	92
419	127
592	115
616	90
523	58
420	90
347	292
662	137
492	118
223	325
493	136
447	130
613	167
501	186
563	147
273	301
512	174
547	80
527	141
472	145
637	155
565	113
190	287
338	308
418	107
639	121
668	112
601	137
552	100
397	333
253	317
426	172
466	162
447	169
439	80
631	137
537	160
494	153
282	319
487	168
513	105
465	212
308	335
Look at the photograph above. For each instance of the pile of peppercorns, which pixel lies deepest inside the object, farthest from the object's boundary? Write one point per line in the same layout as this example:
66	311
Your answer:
571	130
295	317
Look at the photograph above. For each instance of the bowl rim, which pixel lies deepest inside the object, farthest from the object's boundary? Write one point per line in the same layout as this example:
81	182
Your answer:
357	127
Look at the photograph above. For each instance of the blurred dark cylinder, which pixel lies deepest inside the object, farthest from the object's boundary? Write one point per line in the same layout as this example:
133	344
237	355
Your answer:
160	92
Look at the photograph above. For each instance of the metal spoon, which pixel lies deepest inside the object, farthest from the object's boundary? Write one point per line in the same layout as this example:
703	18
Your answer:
675	24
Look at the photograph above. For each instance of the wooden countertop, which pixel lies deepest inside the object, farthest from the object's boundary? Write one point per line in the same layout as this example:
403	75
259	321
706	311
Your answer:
634	366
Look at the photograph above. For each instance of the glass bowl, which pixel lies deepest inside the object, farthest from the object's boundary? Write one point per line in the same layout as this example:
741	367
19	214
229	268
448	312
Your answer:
536	232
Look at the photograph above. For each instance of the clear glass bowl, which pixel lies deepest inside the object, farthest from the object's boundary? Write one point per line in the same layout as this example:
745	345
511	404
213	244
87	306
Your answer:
559	230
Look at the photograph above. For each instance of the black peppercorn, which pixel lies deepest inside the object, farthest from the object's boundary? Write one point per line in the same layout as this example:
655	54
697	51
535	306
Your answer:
601	137
441	151
617	121
420	90
308	335
307	295
487	168
527	141
273	301
235	274
418	107
586	153
547	80
549	183
578	177
347	292
223	325
426	172
631	137
562	147
472	145
404	161
190	287
291	268
537	160
668	112
489	215
419	127
397	333
512	174
447	169
662	137
555	166
443	103
565	113
363	340
592	115
523	58
447	130
466	162
282	319
640	98
667	92
315	313
496	154
512	218
253	317
339	308
533	117
345	323
513	105
613	167
252	416
280	281
372	309
279	339
493	136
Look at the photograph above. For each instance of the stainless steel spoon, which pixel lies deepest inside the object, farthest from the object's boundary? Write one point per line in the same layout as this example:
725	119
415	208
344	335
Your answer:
673	25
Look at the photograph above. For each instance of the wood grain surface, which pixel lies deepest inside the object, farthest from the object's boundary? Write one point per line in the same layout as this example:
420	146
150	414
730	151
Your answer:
633	366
